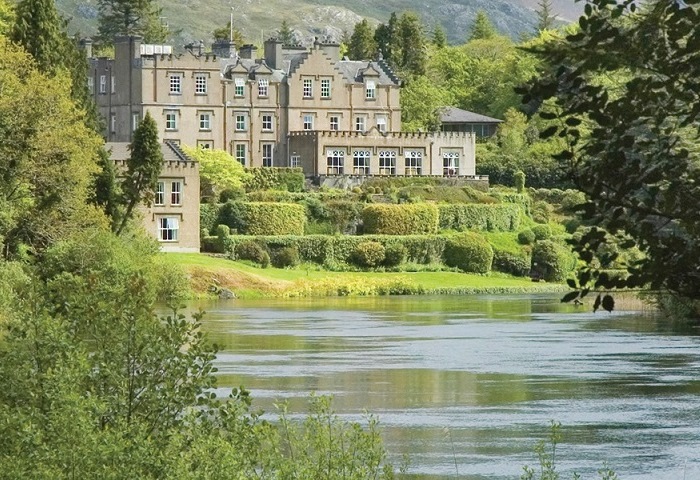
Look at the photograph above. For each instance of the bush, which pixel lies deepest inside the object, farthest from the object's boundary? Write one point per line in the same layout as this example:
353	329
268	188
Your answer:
344	215
289	179
208	216
286	257
224	242
368	254
261	218
253	251
470	252
233	214
487	217
514	264
542	212
552	261
519	181
394	255
542	231
526	237
404	219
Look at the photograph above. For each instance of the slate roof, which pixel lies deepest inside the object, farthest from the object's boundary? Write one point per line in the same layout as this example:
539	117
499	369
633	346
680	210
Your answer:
457	115
171	151
352	71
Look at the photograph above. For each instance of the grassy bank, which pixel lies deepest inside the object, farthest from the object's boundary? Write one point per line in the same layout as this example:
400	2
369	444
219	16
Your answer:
208	273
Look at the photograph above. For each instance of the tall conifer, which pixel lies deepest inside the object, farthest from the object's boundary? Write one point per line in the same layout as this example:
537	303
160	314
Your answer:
362	45
482	27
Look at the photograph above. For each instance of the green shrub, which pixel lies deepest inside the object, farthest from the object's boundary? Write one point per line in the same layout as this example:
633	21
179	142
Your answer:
470	252
271	196
266	178
232	214
368	254
261	218
542	231
519	181
344	215
542	211
401	219
526	237
514	264
224	242
552	261
253	251
286	257
394	255
208	216
496	217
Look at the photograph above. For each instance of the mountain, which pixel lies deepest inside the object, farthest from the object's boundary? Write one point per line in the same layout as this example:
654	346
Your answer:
259	19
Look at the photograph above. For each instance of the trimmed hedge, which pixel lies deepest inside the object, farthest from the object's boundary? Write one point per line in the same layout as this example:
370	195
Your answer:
495	217
208	217
512	263
470	252
368	254
541	231
413	219
261	218
552	261
268	178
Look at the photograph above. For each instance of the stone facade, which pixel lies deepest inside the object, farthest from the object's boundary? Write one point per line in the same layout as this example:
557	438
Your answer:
289	108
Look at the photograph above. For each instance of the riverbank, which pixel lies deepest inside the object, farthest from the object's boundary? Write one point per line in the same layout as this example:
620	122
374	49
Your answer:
209	275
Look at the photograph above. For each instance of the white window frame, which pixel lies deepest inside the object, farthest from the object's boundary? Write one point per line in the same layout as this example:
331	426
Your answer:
413	162
240	153
159	198
205	121
387	162
267	123
268	150
325	88
263	87
381	123
334	122
450	164
113	123
239	87
370	90
200	84
171	120
295	161
135	120
175	84
168	229
308	88
308	123
113	85
241	122
103	84
360	162
360	124
176	192
335	161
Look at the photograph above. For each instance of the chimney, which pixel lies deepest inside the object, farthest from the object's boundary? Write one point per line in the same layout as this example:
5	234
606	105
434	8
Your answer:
332	50
248	51
223	49
86	45
127	47
273	53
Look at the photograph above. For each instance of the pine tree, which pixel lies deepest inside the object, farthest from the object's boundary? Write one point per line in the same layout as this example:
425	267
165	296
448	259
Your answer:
142	168
482	27
362	45
224	33
285	33
130	17
545	15
386	38
39	29
413	44
439	37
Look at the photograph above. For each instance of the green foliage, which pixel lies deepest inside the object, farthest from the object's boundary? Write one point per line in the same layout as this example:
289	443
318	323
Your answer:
552	261
130	18
218	172
526	237
411	43
225	33
541	231
470	252
395	254
269	178
285	33
545	15
368	254
482	28
286	257
491	217
362	45
7	16
518	264
421	101
400	219
542	211
208	217
253	251
224	242
274	218
519	181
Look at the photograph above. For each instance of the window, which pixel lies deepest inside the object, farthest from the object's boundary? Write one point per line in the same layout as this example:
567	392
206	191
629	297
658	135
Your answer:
240	153
308	88
200	84
113	123
176	192
360	124
360	162
450	164
205	144
370	90
103	84
295	161
335	123
381	123
414	162
91	84
239	90
160	194
267	154
326	88
175	84
263	83
335	160
171	120
113	86
240	122
205	121
267	122
168	228
135	119
308	122
387	162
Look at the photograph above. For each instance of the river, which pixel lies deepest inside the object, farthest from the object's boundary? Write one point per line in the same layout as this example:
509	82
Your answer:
465	386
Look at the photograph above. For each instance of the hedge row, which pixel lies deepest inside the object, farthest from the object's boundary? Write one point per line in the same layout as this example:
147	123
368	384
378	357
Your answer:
289	179
390	219
496	217
262	218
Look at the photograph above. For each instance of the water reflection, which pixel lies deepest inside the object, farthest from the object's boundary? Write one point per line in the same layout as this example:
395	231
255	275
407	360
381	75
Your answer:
467	385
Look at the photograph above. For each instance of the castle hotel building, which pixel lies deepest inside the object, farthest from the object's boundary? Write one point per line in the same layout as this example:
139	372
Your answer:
292	107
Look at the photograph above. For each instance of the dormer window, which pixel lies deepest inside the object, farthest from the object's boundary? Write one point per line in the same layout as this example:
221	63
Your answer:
370	90
263	84
239	90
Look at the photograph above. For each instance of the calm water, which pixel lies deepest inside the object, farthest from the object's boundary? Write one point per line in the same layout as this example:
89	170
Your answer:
466	386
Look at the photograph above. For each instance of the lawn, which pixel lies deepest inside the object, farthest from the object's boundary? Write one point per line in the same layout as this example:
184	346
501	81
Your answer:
248	281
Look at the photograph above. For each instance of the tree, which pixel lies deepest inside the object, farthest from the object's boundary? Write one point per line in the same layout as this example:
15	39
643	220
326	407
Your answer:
482	28
142	168
631	143
439	37
285	33
39	29
218	172
545	15
224	33
130	17
411	38
362	45
7	16
386	39
421	101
